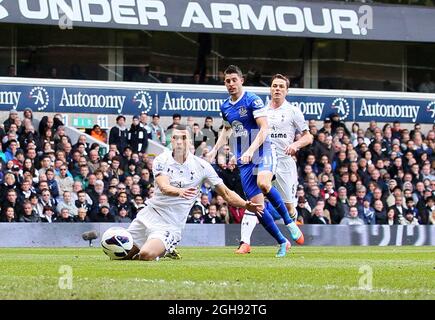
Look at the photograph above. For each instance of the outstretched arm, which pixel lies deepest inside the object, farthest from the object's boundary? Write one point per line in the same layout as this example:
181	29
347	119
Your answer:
236	201
165	187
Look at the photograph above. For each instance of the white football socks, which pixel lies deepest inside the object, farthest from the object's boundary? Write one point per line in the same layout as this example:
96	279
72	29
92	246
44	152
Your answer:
249	222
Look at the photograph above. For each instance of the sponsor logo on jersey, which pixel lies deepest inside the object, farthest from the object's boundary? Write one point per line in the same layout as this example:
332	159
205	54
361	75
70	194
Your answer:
243	112
278	135
239	129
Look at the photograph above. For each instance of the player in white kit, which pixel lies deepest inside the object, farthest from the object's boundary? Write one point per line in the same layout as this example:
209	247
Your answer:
178	175
285	120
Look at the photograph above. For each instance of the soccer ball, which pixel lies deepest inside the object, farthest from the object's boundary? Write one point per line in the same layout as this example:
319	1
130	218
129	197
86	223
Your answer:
116	242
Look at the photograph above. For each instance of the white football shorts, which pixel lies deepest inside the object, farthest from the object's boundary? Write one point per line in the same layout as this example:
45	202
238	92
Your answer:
142	229
286	179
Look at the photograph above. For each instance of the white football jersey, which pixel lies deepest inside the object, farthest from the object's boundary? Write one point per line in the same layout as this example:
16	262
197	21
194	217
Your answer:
284	122
191	174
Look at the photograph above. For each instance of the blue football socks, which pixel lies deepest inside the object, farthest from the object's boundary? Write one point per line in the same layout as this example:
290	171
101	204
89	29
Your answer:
269	224
276	201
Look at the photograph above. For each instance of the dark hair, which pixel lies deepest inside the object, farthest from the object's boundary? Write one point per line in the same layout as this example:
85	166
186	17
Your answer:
181	127
233	69
47	208
176	115
119	117
280	76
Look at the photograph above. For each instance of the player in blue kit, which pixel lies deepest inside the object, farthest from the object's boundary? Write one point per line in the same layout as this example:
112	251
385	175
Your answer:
245	116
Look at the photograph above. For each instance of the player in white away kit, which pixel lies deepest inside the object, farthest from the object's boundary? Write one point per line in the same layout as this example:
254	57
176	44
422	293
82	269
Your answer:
178	175
284	121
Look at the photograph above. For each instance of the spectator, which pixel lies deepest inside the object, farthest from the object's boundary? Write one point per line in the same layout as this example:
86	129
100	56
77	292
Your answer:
224	215
157	131
104	214
409	219
327	126
370	132
94	161
67	203
46	200
29	215
137	204
336	123
11	201
303	210
313	196
198	136
368	212
195	215
119	133
82	201
47	214
137	137
52	183
82	177
380	213
64	216
98	134
13	115
353	218
123	204
398	208
209	133
64	182
212	215
122	216
176	120
143	122
81	216
8	216
391	217
318	216
323	146
333	211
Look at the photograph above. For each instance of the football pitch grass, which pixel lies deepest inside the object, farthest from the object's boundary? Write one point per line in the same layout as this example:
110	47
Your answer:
217	273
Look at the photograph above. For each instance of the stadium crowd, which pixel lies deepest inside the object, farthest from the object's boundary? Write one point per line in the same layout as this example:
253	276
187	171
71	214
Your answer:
387	173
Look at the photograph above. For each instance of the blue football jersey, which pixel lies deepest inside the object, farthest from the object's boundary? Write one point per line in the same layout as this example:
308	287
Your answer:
241	115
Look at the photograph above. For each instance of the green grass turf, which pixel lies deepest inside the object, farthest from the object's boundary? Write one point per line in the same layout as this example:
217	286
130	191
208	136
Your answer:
217	273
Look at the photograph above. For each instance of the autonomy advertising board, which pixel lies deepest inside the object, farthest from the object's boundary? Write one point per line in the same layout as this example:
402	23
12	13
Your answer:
79	100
